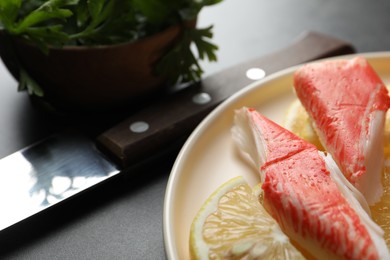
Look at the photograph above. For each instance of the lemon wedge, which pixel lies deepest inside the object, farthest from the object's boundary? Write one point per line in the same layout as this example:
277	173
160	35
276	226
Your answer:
297	120
387	136
233	224
380	212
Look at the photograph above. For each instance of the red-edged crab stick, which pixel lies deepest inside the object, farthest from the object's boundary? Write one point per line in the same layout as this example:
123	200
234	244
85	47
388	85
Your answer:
347	103
306	193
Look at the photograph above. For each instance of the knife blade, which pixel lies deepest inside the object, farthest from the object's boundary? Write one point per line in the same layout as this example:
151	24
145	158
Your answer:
68	163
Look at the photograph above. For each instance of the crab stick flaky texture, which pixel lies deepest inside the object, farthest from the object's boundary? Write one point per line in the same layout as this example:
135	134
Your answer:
306	193
347	103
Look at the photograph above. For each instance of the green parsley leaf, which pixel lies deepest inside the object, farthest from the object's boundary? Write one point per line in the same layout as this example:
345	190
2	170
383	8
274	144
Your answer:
180	63
27	83
9	11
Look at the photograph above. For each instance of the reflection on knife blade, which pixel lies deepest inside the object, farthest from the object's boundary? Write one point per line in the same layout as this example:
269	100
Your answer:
46	173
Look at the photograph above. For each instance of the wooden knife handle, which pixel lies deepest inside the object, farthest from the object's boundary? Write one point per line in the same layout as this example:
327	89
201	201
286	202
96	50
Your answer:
158	126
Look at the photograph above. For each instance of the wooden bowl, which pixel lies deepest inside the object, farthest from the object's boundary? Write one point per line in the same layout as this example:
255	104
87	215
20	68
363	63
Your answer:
92	78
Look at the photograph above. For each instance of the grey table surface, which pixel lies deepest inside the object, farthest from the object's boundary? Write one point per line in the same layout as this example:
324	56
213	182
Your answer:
123	219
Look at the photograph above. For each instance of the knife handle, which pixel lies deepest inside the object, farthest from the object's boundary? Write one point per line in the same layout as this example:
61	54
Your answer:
157	127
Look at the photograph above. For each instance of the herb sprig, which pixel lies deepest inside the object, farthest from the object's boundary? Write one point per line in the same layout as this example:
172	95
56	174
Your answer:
105	22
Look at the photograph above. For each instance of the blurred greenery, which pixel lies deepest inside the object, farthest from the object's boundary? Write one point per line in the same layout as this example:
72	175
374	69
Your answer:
105	22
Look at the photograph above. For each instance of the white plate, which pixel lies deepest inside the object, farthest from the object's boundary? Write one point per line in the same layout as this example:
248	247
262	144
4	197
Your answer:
209	157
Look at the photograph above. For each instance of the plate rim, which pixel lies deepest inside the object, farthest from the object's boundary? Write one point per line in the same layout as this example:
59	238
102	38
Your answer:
168	236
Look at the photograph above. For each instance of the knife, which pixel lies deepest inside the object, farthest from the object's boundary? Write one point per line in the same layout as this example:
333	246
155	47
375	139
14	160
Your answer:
68	163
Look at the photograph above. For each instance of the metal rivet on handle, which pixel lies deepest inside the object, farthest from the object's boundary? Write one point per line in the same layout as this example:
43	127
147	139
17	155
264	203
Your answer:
255	73
139	127
201	98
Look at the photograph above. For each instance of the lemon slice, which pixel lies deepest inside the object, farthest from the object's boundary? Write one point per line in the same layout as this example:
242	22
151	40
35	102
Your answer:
233	224
298	121
380	212
387	132
386	147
